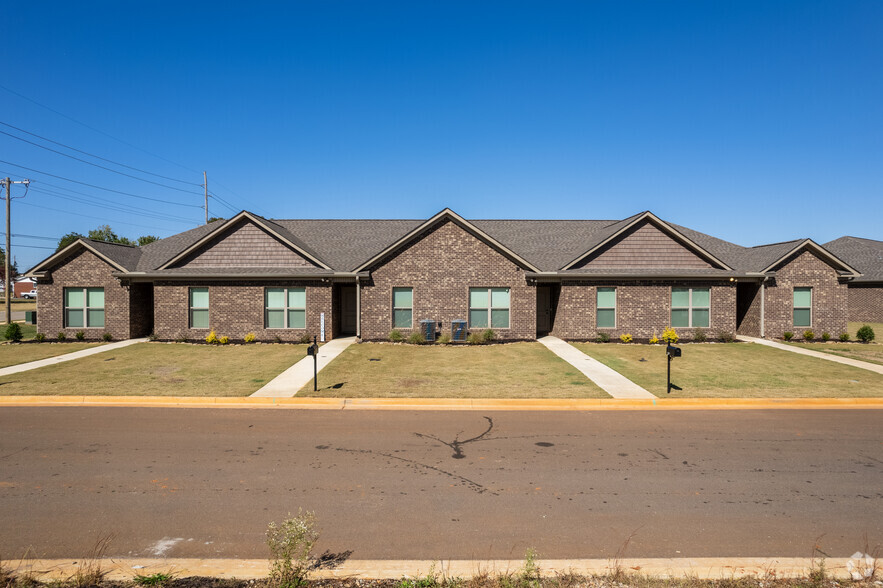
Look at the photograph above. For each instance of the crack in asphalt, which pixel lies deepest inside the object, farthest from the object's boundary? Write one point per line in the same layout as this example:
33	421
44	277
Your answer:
456	444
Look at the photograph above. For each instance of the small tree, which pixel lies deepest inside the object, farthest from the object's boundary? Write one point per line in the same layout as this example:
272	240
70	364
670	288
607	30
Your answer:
13	332
865	334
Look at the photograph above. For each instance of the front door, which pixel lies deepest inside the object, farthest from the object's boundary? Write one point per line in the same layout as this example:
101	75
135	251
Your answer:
544	310
348	310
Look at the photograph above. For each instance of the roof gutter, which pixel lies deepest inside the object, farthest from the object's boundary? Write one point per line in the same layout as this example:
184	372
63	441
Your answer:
559	276
149	276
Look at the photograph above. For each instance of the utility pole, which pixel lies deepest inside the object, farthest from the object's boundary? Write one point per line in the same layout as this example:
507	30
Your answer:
7	278
205	185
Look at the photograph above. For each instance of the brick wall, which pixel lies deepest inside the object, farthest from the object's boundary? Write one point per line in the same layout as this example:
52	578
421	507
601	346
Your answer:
83	269
642	309
441	265
236	309
829	297
866	303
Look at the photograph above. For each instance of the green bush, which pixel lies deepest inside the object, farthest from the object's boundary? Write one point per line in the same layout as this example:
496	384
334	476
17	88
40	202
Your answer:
107	337
725	337
61	336
13	332
808	335
396	336
602	338
787	335
40	337
699	336
416	338
290	545
306	339
488	335
865	334
844	337
475	339
826	336
444	338
81	336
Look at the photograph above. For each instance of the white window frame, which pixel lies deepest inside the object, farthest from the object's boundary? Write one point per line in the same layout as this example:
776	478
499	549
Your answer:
490	308
285	309
85	308
191	308
613	308
809	308
395	308
690	308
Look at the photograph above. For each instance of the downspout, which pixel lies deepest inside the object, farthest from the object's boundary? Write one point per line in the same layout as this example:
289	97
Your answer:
762	310
358	309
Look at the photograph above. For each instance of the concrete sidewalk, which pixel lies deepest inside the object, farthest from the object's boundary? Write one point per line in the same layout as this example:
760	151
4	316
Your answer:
836	358
32	365
286	384
607	379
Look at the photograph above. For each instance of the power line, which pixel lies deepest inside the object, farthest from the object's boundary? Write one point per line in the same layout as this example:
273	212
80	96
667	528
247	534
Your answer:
100	187
31	236
96	165
99	217
224	202
140	212
32	246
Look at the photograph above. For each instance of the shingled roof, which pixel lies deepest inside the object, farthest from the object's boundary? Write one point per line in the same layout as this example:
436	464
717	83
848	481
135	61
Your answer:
866	255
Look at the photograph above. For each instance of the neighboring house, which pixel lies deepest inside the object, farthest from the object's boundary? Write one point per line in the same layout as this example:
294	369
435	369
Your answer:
282	279
866	291
23	286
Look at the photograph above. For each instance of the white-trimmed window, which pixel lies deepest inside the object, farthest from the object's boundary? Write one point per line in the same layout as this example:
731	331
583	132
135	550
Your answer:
802	307
605	309
285	308
198	308
402	308
690	307
489	307
84	307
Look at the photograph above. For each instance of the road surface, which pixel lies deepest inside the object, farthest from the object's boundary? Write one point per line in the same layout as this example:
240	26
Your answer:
181	482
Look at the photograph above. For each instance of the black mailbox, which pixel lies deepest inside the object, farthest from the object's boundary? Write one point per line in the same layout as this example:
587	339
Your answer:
673	351
313	349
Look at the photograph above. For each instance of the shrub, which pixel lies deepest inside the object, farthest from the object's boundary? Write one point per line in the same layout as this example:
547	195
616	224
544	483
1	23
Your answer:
61	336
444	338
787	335
844	337
223	340
212	337
475	339
277	339
13	332
865	334
416	338
249	338
826	336
152	336
396	336
305	339
602	338
669	335
725	337
290	545
626	338
107	337
654	340
699	336
81	336
808	335
488	335
40	337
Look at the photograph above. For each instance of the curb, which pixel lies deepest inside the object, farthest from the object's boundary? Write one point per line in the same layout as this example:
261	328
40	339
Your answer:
531	404
701	568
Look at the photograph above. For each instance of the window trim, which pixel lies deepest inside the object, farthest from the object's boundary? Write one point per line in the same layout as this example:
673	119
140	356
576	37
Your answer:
690	307
490	307
85	308
614	307
794	308
285	317
392	303
191	308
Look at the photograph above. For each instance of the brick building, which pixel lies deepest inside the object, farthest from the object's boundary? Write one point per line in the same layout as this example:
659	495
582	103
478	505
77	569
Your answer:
286	279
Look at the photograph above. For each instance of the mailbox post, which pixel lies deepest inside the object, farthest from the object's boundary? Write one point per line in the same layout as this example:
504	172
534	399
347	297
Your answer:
670	351
314	351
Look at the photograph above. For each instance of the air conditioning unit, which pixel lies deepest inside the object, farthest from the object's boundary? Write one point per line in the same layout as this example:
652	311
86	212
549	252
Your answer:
458	330
427	327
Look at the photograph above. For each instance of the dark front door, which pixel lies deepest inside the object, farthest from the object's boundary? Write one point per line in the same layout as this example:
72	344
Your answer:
347	310
544	310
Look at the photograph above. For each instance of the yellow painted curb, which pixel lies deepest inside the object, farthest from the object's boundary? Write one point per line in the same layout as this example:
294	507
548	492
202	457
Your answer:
703	568
535	404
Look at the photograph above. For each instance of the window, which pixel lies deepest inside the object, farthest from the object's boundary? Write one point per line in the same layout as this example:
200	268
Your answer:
286	308
802	307
690	307
489	307
605	308
198	308
402	308
84	307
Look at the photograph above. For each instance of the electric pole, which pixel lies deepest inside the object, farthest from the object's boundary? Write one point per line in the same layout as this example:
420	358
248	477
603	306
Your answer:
205	185
7	278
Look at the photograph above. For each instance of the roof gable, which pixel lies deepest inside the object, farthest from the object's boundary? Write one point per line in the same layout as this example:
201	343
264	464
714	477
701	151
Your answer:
820	252
447	215
121	257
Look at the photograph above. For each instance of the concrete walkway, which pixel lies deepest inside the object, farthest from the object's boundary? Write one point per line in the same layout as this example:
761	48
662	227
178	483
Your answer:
793	349
607	379
32	365
286	384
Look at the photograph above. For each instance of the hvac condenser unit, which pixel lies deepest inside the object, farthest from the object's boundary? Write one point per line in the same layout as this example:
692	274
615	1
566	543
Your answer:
427	327
458	330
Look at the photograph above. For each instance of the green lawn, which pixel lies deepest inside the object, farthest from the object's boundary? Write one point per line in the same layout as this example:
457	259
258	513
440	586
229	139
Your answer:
160	369
870	352
736	370
512	370
854	327
14	354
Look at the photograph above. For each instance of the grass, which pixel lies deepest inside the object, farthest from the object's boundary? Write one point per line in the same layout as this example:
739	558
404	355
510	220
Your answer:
19	305
513	370
872	352
736	370
854	327
14	354
160	369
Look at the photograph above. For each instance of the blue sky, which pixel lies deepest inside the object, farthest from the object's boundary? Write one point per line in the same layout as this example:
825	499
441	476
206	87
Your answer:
752	121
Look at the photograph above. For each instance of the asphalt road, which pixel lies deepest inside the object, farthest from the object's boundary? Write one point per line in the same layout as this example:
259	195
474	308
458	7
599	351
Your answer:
448	485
